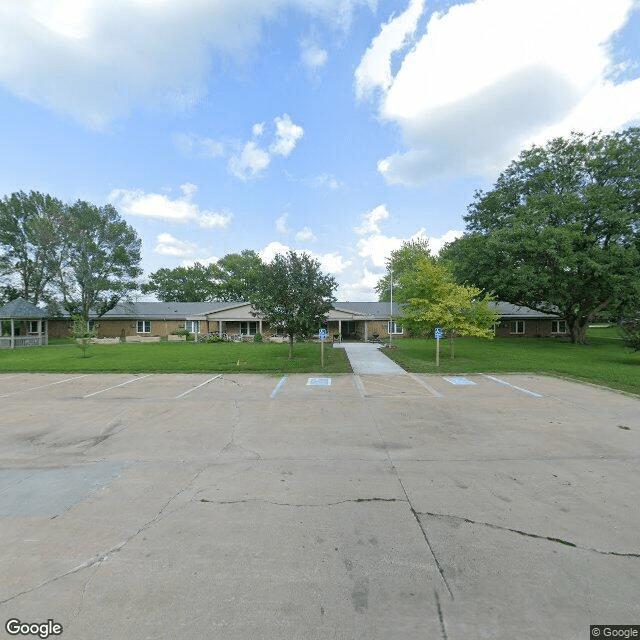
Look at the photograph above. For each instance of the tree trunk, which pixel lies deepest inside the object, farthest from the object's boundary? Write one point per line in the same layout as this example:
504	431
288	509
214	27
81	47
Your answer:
578	329
290	345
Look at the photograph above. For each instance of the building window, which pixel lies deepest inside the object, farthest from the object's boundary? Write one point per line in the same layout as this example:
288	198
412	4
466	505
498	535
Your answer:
558	326
517	327
248	328
144	326
192	326
33	326
393	328
91	325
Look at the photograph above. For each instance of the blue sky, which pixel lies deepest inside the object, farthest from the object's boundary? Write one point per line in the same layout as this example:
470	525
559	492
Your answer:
337	127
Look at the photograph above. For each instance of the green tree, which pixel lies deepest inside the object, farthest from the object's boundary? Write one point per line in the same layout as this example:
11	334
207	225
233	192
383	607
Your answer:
435	300
29	243
197	283
292	294
560	230
99	260
81	334
230	279
401	261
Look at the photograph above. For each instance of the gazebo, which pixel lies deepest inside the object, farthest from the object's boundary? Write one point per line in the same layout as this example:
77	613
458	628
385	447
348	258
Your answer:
30	322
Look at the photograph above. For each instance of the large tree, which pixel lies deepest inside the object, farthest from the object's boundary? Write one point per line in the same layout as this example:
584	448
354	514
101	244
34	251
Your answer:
292	294
191	284
99	260
560	230
402	260
29	243
230	279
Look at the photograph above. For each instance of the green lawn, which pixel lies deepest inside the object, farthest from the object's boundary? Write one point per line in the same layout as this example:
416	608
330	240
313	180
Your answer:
176	357
604	360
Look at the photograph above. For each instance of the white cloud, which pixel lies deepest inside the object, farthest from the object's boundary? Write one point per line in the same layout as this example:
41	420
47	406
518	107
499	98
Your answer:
281	224
98	60
371	220
190	144
168	245
325	180
305	235
254	160
333	263
287	136
374	70
159	206
251	161
488	77
312	54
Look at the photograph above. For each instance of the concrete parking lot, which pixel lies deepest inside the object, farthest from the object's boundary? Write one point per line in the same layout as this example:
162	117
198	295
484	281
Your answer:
356	506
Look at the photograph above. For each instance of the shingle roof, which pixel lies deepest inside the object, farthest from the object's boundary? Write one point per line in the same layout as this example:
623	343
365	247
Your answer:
21	309
162	310
507	310
374	309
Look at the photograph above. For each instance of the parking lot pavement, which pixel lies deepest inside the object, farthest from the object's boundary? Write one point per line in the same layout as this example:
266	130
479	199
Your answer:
352	506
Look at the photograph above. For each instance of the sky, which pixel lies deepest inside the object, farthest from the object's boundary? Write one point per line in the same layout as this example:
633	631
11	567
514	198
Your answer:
336	127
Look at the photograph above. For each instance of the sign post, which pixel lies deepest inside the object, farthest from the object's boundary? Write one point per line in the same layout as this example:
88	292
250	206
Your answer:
323	337
439	333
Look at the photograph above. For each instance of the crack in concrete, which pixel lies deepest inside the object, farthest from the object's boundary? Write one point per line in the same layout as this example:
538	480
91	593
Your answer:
535	536
97	560
293	504
440	616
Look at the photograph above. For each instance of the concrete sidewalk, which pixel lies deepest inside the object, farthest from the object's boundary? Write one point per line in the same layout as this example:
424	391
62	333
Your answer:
366	358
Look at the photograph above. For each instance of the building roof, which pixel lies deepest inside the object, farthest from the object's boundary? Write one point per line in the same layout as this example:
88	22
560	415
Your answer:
508	310
373	309
21	309
164	310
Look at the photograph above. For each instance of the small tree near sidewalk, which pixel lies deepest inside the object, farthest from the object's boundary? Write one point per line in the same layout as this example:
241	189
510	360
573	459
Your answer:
435	300
292	293
81	334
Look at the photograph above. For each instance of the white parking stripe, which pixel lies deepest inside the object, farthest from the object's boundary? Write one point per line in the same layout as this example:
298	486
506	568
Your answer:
428	387
200	385
51	384
513	386
279	386
122	384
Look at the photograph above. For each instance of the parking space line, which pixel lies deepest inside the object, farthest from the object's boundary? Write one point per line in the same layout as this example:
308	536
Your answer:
279	386
197	387
428	387
358	383
51	384
513	386
122	384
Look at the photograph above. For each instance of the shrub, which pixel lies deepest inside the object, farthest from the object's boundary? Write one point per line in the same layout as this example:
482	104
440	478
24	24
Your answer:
258	338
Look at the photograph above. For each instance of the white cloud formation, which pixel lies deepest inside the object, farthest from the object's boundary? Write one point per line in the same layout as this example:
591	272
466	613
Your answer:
191	144
371	220
333	263
488	78
168	245
305	235
252	160
312	54
159	206
98	60
281	225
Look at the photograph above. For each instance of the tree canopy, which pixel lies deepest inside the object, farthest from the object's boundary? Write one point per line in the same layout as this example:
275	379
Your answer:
229	279
98	260
403	260
292	294
560	230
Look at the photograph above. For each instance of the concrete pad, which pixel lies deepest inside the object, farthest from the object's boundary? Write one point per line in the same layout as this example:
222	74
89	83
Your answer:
382	506
366	358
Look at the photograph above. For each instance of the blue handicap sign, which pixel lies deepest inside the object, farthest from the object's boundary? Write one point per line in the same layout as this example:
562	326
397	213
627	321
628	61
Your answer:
439	333
323	334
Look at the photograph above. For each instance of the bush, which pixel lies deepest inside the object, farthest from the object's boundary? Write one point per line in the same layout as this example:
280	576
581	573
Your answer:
630	333
258	338
210	338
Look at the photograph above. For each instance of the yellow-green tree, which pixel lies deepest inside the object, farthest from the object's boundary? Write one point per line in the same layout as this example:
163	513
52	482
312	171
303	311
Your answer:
434	299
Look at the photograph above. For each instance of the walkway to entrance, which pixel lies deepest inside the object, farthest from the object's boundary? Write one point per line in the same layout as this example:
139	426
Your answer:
366	358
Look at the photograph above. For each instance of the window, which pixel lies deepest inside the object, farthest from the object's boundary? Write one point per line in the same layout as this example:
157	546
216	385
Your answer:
393	328
517	326
91	325
144	326
192	326
33	326
248	328
558	326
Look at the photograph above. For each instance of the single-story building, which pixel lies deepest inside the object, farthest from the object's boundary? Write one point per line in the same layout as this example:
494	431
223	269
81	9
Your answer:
22	324
346	320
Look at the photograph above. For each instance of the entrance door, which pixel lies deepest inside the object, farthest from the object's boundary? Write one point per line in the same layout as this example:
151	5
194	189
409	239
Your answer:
348	329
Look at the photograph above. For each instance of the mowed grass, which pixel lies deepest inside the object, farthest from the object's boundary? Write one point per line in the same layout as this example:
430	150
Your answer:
603	361
176	357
